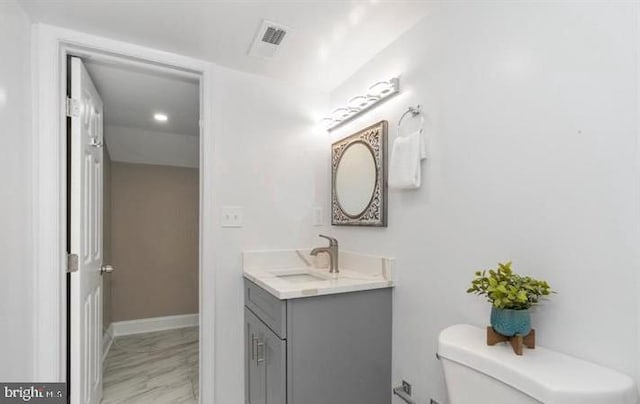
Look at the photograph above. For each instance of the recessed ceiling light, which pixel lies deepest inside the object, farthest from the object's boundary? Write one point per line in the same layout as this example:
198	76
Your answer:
160	117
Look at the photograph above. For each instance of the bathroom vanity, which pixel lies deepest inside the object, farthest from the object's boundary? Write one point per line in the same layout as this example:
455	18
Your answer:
316	338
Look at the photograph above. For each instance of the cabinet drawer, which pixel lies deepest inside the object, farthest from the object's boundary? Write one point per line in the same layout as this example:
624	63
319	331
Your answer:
271	310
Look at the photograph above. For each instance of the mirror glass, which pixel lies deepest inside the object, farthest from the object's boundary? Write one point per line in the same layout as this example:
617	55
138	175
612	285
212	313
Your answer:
355	178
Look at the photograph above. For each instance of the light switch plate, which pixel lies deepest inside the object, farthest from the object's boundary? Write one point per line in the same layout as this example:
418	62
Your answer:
232	216
317	216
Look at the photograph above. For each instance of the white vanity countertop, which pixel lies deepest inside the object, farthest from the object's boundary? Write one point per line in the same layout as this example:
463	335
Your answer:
290	274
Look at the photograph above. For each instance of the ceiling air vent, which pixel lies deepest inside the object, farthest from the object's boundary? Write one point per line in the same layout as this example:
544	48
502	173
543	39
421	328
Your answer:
274	35
268	40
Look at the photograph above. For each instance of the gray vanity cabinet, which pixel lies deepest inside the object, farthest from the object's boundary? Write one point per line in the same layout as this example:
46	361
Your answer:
255	389
265	362
331	349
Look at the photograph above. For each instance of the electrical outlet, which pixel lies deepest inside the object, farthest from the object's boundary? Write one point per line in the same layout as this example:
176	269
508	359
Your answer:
231	216
406	387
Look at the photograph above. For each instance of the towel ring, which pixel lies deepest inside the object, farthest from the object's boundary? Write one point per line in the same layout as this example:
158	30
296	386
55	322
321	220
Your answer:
414	111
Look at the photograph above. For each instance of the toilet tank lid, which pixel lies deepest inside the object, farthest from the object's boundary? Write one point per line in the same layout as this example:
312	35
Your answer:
548	376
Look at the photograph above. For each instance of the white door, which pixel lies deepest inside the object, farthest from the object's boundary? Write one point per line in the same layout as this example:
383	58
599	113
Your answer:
85	237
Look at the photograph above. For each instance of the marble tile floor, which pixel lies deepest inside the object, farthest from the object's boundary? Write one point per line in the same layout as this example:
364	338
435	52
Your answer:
158	367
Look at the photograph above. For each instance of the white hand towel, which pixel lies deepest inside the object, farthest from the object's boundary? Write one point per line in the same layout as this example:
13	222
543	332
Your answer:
404	168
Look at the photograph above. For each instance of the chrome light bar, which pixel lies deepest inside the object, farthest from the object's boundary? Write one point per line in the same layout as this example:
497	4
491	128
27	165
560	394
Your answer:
376	94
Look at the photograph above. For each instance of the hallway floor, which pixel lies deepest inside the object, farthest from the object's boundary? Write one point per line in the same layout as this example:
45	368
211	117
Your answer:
158	367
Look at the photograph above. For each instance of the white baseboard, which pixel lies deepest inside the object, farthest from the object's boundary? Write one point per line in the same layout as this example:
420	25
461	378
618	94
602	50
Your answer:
153	324
107	340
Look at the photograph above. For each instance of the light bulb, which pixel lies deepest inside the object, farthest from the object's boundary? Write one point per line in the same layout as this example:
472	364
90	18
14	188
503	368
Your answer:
384	88
340	114
160	117
358	102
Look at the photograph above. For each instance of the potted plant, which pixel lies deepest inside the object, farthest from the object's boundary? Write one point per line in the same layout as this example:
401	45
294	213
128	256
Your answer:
511	296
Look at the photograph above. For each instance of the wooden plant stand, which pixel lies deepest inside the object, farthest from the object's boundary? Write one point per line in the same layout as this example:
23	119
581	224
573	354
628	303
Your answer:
517	341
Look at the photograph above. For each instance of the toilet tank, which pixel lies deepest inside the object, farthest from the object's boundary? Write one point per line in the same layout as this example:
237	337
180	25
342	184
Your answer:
476	373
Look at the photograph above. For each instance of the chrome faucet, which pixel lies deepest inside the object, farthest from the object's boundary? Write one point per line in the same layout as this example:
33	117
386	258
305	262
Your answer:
332	250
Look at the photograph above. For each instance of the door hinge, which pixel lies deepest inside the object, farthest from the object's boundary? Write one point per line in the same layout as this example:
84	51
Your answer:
72	263
73	107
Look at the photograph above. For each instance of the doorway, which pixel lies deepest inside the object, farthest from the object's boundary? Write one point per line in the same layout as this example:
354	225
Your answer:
52	45
133	227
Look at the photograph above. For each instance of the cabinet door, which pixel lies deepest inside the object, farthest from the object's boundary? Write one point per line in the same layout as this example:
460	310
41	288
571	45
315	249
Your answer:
255	372
275	365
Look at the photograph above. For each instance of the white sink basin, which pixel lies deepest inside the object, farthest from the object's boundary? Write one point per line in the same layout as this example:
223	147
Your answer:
300	278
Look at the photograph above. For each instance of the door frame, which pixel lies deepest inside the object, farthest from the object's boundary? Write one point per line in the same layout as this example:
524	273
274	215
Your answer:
50	47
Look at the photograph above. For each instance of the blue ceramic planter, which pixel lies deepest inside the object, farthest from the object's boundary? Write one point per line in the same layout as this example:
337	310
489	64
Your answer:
510	322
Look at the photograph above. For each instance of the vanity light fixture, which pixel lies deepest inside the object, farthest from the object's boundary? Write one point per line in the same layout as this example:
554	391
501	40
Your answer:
359	102
160	117
381	89
340	114
376	93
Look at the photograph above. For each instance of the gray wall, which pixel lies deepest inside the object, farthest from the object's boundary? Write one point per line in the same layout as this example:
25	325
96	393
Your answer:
154	241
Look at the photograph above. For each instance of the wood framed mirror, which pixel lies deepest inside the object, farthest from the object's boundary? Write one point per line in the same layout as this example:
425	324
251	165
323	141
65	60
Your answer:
359	178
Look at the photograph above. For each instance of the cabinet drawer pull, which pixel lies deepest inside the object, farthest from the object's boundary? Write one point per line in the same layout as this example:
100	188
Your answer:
253	347
260	351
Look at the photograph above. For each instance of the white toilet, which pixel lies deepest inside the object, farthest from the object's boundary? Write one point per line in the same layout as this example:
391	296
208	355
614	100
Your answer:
479	374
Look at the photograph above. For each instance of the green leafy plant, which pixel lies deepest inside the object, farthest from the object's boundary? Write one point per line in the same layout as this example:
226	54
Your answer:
508	290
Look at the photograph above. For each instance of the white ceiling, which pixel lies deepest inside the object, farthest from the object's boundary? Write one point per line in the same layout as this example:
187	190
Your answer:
131	96
329	41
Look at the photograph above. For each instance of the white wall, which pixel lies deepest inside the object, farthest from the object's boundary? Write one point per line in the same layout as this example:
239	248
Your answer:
267	159
15	200
532	115
532	157
262	153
